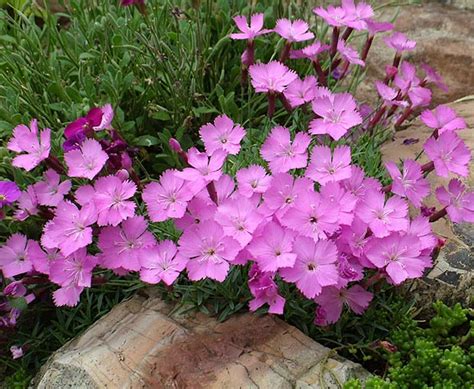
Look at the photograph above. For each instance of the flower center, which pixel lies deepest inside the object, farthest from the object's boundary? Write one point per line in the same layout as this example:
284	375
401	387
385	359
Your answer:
313	220
311	266
2	197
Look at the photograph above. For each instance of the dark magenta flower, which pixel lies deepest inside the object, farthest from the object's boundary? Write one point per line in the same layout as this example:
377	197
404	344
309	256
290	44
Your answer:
9	193
97	119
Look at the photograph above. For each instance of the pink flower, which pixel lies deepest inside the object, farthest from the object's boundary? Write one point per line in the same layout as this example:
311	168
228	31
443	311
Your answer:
9	193
111	199
431	76
272	249
312	216
225	187
310	52
75	269
334	16
106	118
383	216
390	96
198	210
337	115
398	255
167	198
34	144
458	200
27	204
67	295
51	192
281	153
285	191
222	135
357	14
374	26
208	251
342	201
41	258
249	32
410	182
348	53
300	92
419	96
126	245
162	263
443	119
314	267
17	352
399	42
406	78
264	291
449	154
14	258
87	161
70	229
332	300
296	31
358	184
252	180
239	217
421	228
353	239
203	169
272	77
324	167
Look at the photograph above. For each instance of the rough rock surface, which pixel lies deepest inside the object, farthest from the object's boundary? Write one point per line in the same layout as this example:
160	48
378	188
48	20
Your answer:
142	344
452	278
445	41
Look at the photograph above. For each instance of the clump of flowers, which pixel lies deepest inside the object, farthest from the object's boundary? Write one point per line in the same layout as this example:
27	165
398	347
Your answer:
306	215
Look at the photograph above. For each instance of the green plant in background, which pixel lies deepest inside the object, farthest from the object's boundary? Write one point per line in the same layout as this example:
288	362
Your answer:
439	356
165	74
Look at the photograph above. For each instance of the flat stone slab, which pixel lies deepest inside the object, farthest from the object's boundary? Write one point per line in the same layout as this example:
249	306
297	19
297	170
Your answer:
141	344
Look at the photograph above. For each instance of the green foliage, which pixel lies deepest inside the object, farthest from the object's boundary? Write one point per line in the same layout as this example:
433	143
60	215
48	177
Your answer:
440	356
165	74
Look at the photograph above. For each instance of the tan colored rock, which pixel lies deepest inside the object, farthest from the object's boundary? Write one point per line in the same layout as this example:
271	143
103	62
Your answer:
141	344
445	41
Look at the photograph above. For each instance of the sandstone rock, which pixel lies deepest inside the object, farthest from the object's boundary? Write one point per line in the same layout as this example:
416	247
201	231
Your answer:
445	40
462	4
141	343
452	277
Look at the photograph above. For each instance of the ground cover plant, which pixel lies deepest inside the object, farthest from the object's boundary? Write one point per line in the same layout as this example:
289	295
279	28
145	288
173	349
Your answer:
439	355
279	201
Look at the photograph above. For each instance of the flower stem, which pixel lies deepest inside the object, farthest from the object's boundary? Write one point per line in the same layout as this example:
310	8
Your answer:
285	53
408	111
366	48
334	42
211	189
285	102
347	33
376	119
271	104
55	164
320	72
438	215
